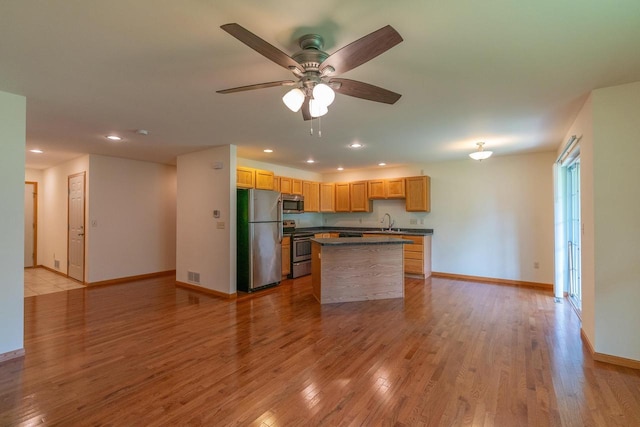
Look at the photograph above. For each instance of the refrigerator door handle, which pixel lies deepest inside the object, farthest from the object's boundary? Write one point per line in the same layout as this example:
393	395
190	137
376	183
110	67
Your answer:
280	218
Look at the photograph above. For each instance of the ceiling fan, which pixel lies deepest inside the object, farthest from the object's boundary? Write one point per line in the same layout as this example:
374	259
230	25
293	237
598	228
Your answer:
315	69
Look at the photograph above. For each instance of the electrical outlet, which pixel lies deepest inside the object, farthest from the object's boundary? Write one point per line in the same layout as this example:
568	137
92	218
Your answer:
94	223
536	264
421	221
413	221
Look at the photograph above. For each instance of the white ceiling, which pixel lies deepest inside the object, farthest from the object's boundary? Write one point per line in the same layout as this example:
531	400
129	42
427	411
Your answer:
511	73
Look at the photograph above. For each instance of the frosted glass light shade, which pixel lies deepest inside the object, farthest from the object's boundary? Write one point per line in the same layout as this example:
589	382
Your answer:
317	109
480	155
293	99
324	94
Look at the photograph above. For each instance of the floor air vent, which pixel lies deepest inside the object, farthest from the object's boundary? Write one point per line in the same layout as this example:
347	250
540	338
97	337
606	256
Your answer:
193	277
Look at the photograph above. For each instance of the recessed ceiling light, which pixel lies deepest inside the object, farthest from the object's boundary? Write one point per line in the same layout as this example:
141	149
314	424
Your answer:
340	168
37	151
382	164
311	161
355	145
113	138
268	150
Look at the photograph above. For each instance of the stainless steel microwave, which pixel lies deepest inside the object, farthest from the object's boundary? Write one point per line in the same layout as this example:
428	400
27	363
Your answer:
292	203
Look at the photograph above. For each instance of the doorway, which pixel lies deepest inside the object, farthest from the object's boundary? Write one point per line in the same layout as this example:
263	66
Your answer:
574	228
76	227
30	224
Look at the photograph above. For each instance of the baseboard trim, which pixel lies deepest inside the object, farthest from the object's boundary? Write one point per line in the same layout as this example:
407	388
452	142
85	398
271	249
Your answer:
545	286
10	355
607	358
206	290
131	278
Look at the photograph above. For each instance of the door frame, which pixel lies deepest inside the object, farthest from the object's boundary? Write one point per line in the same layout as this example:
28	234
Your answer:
84	221
35	220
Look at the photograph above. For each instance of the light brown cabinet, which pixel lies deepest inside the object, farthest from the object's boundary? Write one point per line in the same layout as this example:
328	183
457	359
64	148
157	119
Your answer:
245	177
276	183
358	195
386	188
418	194
327	197
264	179
286	185
311	194
417	255
254	178
343	198
286	256
296	186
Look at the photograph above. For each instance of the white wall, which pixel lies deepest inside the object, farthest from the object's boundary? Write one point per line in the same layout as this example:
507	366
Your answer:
202	247
131	227
52	229
616	197
12	151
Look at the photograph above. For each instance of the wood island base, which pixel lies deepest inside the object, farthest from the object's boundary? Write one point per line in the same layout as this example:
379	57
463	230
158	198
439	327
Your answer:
357	269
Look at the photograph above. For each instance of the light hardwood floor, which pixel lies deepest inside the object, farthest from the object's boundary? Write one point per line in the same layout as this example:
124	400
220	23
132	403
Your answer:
451	353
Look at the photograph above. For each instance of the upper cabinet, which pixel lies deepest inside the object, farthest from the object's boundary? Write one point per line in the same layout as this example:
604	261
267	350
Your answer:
342	196
254	178
343	199
359	201
386	188
311	194
290	185
296	186
327	197
264	180
245	177
418	189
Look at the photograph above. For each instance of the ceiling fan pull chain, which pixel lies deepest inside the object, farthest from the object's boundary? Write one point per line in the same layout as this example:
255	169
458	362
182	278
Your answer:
311	131
319	127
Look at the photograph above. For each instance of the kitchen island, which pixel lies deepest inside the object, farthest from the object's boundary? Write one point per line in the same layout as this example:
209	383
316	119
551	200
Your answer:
357	269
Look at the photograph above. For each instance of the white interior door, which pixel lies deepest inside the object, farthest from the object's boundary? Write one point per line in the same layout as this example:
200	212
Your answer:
75	256
30	194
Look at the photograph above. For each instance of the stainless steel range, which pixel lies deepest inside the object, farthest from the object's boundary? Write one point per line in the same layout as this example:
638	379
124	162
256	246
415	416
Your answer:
300	250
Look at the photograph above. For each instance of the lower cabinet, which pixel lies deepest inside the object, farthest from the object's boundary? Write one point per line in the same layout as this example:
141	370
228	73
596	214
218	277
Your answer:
417	255
286	256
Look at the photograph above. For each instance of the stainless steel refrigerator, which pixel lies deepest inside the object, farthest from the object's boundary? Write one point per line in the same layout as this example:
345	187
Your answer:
259	258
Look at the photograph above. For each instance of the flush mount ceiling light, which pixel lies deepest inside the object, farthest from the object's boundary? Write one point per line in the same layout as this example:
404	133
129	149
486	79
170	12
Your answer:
268	150
37	151
355	145
113	138
382	164
480	154
311	161
340	168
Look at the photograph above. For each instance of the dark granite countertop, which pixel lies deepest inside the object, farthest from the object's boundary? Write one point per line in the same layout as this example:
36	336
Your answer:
327	229
359	241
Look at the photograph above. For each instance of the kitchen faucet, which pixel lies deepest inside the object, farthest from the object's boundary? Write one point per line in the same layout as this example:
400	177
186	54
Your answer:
390	221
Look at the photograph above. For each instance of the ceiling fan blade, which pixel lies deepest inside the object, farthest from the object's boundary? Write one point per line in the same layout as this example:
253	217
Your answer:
262	47
362	50
258	86
364	91
306	113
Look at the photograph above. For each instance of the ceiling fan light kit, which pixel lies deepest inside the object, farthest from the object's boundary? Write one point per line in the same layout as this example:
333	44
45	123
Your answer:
294	99
480	154
315	69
